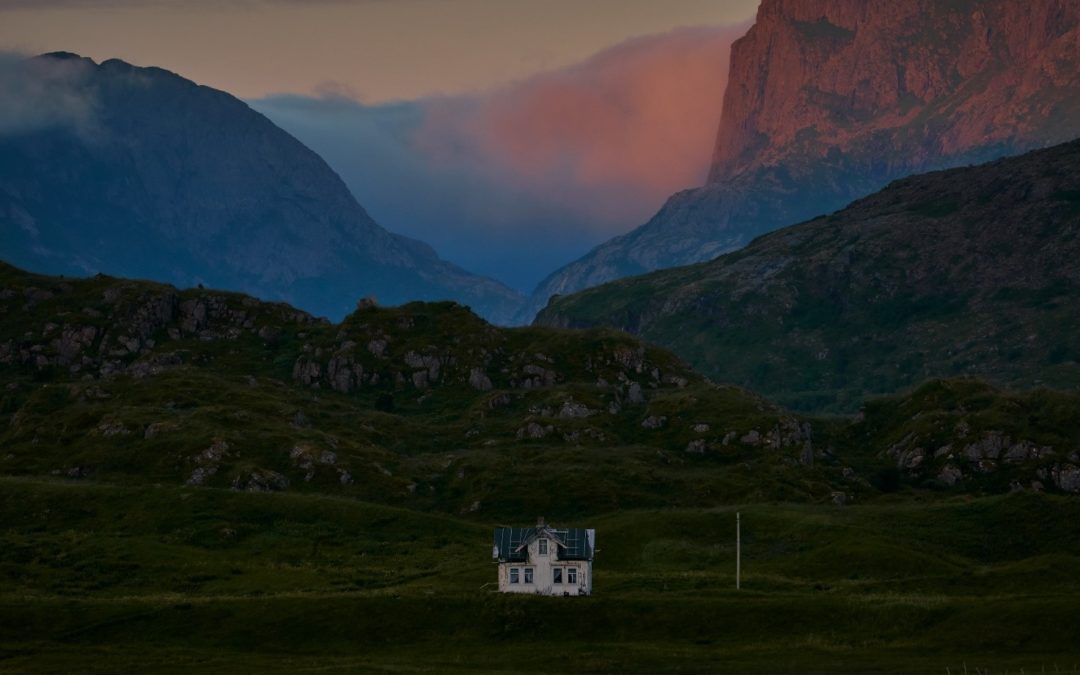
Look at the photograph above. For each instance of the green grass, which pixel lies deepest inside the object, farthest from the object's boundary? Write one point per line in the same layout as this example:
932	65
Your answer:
374	557
115	578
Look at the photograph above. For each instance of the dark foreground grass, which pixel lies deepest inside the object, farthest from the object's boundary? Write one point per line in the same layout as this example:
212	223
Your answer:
100	578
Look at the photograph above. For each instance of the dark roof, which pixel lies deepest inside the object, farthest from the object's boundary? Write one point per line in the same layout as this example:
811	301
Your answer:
571	543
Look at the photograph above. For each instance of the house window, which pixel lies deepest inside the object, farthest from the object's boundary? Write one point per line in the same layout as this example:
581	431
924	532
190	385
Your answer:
515	575
557	575
541	547
528	575
571	575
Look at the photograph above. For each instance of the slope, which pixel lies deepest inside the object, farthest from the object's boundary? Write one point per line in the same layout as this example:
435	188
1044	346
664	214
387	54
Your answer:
970	271
141	173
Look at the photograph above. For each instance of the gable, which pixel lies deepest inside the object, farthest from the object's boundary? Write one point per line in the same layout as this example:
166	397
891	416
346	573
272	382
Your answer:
511	543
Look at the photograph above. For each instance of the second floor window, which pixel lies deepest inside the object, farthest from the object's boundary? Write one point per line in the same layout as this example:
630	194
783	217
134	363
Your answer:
541	547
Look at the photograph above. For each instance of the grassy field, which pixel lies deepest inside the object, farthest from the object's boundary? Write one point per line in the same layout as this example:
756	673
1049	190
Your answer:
198	481
97	577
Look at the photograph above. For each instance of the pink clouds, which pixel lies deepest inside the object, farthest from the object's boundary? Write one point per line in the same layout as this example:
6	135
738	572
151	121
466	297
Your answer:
609	139
517	181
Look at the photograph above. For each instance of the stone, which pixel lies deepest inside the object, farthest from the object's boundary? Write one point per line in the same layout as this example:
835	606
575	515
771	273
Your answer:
260	480
306	372
654	422
534	430
157	428
109	428
479	380
377	347
950	474
571	410
537	376
1066	477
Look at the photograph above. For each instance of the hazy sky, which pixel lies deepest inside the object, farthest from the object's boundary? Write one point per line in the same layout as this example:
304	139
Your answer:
520	179
373	50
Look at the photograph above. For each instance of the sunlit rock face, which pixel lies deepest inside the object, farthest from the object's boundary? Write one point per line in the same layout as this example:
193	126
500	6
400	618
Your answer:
830	100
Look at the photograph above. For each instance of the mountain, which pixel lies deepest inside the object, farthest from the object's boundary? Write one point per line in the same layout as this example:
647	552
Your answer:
139	172
971	271
830	100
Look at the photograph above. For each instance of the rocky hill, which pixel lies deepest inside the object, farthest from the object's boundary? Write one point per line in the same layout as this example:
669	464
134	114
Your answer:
141	173
427	406
829	100
969	271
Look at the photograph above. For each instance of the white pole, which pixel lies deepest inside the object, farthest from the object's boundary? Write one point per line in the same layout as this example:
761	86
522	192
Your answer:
738	550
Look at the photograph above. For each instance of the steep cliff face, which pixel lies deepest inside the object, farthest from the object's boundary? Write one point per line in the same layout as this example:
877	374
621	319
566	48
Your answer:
829	100
898	86
139	172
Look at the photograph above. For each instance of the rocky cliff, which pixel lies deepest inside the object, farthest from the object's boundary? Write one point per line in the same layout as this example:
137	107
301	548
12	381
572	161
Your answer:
968	271
829	100
139	172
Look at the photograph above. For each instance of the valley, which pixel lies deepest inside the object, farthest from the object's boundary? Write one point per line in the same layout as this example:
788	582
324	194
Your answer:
820	411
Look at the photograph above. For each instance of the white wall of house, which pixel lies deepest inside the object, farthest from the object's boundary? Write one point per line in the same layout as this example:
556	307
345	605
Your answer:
544	566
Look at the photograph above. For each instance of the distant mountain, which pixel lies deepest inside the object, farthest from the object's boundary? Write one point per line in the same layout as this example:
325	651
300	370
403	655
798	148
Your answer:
157	177
972	271
829	100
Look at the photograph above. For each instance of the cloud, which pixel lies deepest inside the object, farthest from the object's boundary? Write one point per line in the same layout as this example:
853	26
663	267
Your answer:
611	136
45	93
518	180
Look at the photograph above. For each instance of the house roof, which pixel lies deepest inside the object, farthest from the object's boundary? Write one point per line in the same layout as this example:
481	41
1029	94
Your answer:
571	543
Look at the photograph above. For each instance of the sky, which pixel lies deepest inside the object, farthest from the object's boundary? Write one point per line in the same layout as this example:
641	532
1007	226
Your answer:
512	135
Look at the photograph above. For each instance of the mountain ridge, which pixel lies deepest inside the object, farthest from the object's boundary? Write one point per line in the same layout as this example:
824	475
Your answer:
163	178
963	271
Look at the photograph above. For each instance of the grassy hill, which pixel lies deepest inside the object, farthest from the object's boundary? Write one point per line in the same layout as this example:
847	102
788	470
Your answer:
196	480
968	272
424	406
124	578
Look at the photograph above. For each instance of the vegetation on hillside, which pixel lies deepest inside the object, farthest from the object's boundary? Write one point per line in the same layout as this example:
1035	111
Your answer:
969	272
199	480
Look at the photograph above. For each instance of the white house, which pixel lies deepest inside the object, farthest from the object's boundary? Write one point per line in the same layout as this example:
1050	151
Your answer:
545	560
